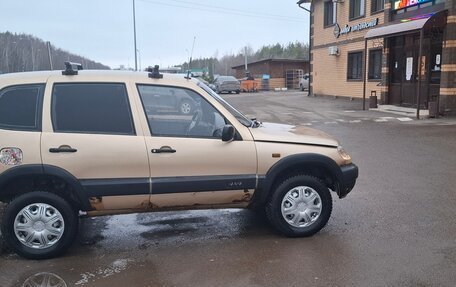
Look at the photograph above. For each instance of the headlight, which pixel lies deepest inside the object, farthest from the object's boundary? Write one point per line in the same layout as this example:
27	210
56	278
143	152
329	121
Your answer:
345	156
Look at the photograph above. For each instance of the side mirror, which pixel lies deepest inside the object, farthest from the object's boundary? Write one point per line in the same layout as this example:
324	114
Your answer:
228	133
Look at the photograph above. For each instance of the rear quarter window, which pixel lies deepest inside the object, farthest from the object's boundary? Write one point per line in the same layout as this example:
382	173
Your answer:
20	107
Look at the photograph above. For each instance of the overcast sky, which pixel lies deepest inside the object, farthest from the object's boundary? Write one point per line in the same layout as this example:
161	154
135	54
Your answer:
102	30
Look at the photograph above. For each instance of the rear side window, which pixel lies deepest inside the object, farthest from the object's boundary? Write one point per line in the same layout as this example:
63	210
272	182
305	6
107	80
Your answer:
91	108
20	107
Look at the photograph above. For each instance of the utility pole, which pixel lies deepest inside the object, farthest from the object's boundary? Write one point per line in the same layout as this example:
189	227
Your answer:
134	34
245	58
33	57
49	54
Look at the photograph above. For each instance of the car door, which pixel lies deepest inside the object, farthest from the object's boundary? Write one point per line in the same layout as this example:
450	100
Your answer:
89	132
190	164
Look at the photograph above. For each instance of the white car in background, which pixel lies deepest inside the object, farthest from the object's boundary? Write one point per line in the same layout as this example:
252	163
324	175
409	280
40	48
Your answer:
304	82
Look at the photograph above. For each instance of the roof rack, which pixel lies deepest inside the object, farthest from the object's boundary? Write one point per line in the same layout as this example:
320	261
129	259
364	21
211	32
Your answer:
69	71
154	72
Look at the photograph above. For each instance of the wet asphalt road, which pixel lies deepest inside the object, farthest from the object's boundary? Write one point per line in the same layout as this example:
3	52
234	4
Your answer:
396	228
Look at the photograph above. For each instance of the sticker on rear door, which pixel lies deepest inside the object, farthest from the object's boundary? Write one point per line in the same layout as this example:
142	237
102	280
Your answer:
10	156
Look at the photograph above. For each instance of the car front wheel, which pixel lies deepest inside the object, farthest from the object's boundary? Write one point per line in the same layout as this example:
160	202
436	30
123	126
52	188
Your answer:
39	225
300	206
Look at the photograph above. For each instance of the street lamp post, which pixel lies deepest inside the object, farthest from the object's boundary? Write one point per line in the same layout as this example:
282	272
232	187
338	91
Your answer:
134	36
139	58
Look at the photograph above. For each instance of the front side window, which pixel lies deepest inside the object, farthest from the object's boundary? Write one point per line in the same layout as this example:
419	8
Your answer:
375	64
92	108
329	13
356	8
20	107
377	5
180	112
355	66
237	114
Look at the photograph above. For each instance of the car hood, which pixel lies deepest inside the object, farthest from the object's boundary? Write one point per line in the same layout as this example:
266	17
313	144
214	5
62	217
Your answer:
270	132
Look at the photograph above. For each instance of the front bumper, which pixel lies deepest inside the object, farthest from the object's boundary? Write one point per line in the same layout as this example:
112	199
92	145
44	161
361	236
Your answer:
348	179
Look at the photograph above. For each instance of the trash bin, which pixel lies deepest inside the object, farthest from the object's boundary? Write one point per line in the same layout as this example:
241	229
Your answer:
433	106
373	100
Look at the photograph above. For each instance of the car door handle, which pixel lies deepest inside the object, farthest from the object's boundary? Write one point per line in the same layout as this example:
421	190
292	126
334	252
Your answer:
163	149
63	148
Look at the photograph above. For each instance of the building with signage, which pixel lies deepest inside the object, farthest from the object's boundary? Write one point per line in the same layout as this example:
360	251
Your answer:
402	51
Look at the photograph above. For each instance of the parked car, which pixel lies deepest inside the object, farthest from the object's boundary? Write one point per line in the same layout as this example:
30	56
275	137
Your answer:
212	86
304	82
227	84
168	100
91	143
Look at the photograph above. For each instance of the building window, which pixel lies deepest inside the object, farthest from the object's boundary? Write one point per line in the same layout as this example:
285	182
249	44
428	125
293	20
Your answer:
329	13
356	8
375	64
377	5
355	66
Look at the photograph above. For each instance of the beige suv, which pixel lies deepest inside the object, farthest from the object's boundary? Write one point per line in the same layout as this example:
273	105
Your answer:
88	143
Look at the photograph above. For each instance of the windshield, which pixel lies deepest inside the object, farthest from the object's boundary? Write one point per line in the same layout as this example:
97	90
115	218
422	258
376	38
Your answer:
240	117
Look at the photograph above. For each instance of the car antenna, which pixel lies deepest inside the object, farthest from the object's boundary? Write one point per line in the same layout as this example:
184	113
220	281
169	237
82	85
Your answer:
154	72
190	60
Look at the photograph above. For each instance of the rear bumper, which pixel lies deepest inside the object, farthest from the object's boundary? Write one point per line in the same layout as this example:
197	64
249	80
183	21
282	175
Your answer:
229	88
348	180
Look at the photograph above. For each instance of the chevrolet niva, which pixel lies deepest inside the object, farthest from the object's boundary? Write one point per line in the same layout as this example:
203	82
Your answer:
89	143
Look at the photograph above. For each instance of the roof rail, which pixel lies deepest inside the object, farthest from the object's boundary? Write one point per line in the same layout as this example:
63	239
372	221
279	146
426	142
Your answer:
69	71
154	72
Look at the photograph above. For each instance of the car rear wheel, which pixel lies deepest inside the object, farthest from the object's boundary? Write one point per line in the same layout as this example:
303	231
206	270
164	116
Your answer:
39	225
300	206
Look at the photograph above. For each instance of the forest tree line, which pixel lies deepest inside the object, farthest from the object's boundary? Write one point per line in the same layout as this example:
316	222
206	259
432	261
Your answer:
22	53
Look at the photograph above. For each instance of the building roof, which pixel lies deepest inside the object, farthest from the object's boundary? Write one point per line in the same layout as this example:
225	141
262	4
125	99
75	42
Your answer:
396	28
273	60
437	19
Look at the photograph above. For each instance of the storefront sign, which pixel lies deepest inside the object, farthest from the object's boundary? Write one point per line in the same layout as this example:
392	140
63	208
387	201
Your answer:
358	27
400	4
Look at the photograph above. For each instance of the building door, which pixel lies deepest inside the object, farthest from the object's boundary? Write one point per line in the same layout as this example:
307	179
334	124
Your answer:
404	70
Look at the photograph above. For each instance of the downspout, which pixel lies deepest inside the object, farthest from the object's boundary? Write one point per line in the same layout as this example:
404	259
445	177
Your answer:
364	74
420	54
310	41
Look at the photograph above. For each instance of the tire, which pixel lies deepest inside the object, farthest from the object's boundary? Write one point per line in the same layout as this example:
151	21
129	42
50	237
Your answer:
63	220
302	88
238	91
185	107
309	215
